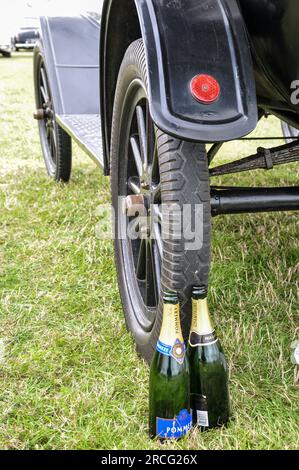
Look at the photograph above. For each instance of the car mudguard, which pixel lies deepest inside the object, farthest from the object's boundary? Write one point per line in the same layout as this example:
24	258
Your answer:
183	38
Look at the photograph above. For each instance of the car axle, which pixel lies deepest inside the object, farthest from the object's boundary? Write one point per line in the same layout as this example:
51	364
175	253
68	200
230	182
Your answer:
253	200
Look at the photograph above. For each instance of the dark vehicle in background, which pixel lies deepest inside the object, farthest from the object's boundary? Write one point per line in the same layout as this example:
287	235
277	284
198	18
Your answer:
5	51
27	35
5	46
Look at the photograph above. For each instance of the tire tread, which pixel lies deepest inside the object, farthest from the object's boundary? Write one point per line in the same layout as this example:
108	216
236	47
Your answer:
185	180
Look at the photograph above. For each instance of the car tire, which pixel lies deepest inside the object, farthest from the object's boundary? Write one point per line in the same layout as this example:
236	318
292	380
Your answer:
183	179
56	143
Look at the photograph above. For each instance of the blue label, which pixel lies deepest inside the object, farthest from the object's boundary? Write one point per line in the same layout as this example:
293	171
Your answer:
177	351
174	428
164	348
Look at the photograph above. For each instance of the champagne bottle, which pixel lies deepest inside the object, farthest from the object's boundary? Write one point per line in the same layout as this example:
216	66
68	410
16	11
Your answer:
210	403
169	399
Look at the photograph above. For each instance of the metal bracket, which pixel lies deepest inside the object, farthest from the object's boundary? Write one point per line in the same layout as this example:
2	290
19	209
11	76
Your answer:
268	157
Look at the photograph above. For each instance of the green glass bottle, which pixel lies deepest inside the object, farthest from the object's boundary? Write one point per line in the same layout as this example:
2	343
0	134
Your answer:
210	403
169	395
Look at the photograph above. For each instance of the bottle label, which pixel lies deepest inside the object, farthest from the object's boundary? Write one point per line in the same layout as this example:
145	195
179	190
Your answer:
202	340
202	419
202	332
174	428
177	351
199	410
171	342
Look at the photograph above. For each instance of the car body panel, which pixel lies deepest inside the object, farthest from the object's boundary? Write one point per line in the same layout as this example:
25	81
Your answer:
184	38
273	27
71	46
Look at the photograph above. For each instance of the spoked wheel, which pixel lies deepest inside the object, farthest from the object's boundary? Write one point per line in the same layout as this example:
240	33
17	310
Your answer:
289	132
143	205
150	171
56	143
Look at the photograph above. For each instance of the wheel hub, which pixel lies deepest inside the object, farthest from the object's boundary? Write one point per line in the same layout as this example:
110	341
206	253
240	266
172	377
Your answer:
134	204
39	114
143	247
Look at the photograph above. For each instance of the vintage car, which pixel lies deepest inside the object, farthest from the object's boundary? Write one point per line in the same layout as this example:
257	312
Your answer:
151	94
27	35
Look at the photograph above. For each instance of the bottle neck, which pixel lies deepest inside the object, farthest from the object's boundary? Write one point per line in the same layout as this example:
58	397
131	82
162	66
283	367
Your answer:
171	342
202	331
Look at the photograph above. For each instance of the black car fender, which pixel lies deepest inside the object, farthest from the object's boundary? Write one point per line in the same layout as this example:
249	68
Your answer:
183	38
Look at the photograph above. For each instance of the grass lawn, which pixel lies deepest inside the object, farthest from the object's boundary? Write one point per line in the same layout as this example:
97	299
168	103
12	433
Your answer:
69	375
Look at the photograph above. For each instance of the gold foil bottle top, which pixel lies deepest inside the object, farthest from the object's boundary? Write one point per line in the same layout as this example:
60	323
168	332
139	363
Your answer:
199	292
171	342
170	298
171	324
202	330
201	320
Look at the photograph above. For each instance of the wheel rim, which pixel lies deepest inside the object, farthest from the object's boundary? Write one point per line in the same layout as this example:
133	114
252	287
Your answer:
48	128
142	255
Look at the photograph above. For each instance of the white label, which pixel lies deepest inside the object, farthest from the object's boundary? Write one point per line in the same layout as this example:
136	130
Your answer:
203	419
296	355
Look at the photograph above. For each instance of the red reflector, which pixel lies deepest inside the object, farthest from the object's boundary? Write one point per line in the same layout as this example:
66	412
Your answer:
205	89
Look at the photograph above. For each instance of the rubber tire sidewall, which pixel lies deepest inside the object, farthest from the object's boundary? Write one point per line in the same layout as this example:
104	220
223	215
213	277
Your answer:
185	180
61	171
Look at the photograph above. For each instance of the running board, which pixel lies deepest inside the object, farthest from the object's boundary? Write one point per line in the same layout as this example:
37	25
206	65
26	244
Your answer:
85	129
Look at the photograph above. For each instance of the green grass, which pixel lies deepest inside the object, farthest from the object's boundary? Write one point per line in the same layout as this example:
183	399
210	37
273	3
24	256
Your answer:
69	375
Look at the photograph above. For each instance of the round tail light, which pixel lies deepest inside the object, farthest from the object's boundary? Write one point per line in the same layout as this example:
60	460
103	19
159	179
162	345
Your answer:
205	89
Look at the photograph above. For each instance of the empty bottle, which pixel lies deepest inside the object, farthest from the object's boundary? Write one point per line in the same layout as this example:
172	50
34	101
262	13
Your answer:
210	403
169	400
